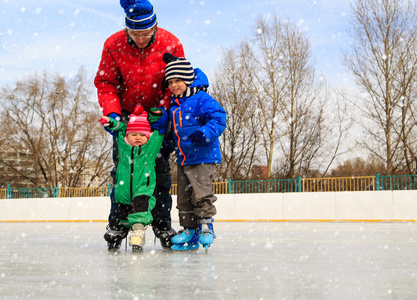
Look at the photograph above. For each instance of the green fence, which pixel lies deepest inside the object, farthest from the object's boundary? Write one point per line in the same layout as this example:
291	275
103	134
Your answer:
20	193
265	186
298	185
396	182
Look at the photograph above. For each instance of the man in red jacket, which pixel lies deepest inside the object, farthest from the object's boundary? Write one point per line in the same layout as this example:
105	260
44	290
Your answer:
131	73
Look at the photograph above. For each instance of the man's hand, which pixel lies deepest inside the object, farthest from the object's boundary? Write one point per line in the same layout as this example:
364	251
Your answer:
105	121
114	116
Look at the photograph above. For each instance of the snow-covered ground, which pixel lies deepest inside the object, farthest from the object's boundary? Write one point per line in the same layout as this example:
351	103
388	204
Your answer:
248	260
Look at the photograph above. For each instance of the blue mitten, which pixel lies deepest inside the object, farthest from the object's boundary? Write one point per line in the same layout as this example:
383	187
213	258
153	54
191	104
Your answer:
198	138
158	118
117	118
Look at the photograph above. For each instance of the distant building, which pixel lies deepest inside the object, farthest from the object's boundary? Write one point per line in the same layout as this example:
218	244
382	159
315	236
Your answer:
18	170
12	166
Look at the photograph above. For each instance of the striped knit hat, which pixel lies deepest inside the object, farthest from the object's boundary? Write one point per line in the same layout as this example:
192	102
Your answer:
139	14
138	122
179	68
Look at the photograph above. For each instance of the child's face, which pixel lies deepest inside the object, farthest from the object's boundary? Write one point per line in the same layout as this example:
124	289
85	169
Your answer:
177	86
137	139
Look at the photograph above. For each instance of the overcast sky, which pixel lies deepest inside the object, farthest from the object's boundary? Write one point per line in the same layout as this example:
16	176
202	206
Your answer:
61	36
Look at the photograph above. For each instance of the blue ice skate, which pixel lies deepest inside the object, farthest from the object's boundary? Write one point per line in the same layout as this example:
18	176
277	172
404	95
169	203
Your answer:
206	236
186	240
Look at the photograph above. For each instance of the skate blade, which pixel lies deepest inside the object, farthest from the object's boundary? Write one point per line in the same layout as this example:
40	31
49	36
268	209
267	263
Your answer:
113	248
185	249
137	248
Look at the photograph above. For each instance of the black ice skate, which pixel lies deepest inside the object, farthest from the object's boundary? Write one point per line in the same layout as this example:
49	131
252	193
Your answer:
114	237
164	235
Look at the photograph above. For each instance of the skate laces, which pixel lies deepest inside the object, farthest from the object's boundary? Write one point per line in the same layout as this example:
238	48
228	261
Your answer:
206	229
139	232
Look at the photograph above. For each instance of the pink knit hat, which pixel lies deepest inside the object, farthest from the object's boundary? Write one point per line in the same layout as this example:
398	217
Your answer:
138	122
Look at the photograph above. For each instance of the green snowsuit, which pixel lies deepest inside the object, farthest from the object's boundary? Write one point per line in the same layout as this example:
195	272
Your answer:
135	177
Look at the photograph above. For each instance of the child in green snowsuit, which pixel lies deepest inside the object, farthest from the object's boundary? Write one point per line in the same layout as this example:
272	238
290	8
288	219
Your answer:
135	174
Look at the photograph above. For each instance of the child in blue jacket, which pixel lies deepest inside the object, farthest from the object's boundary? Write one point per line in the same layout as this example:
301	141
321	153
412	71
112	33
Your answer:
197	121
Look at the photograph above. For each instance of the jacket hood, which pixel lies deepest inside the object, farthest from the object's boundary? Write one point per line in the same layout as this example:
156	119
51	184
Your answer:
200	80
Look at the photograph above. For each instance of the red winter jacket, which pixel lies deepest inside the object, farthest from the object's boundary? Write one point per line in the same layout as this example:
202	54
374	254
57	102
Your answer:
128	76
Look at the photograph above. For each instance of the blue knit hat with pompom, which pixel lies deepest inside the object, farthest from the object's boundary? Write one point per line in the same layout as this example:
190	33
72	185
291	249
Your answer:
139	14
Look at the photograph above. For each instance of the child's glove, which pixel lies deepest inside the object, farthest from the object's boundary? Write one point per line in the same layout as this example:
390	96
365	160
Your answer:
155	114
158	118
116	117
198	138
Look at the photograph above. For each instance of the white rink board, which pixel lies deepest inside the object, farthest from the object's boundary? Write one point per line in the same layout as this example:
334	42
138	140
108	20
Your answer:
311	206
405	205
326	206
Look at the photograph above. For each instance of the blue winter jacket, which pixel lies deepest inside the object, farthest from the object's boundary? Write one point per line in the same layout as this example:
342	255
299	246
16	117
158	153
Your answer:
198	112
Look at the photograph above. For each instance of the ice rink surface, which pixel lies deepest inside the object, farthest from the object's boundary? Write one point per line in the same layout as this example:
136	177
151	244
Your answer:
248	260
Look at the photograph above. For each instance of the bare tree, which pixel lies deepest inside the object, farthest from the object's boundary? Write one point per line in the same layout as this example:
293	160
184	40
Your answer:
383	62
240	140
53	122
278	76
263	79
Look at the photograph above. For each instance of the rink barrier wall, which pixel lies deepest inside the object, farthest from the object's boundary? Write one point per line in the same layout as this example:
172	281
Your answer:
324	207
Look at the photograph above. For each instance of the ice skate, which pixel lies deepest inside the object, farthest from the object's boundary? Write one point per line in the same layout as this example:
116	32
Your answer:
165	235
114	237
137	238
206	236
186	240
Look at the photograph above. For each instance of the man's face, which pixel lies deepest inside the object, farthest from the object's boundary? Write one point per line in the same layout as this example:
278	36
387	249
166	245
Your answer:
142	37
